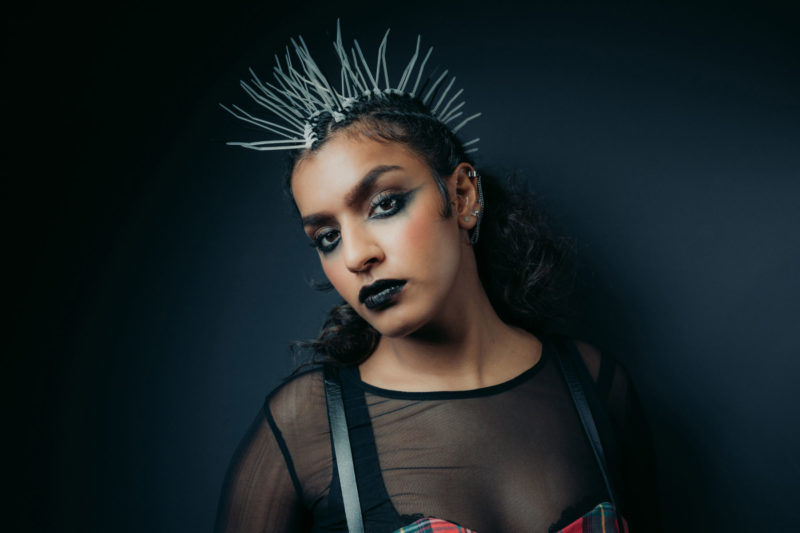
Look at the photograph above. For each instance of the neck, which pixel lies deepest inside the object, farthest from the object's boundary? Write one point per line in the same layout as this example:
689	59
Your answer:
467	347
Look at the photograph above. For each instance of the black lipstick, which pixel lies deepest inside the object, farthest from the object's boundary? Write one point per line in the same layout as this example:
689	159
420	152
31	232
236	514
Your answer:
380	293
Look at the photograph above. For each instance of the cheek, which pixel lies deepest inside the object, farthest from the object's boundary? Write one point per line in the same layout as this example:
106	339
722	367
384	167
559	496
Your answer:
431	240
415	233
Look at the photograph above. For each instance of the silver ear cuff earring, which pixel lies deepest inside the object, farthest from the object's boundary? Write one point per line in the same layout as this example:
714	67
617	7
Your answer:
477	213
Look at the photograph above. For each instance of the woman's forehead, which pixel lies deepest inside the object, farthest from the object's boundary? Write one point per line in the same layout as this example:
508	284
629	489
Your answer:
343	161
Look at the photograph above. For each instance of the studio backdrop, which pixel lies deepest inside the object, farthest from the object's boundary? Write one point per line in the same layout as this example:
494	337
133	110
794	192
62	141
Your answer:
164	273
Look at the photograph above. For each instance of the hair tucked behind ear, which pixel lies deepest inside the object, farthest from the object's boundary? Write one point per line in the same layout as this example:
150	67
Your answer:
525	269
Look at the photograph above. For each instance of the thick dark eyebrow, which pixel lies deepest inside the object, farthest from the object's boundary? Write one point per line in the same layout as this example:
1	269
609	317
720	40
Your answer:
357	194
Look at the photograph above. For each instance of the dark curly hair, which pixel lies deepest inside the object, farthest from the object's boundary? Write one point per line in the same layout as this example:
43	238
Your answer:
524	267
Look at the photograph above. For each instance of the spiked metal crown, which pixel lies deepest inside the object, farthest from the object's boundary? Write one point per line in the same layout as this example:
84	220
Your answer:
301	94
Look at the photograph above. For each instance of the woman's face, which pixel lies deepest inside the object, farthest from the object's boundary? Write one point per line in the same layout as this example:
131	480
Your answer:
374	213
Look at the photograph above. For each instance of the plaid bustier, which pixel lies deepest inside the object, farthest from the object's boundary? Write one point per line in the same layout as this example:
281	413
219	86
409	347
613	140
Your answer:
601	519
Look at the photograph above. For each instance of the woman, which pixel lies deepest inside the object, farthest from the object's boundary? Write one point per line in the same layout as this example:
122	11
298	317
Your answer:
442	401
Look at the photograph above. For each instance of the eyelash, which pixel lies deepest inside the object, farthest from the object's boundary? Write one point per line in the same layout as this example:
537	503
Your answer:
399	201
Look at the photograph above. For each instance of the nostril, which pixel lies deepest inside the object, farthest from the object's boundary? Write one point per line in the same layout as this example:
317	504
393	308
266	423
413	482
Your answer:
365	265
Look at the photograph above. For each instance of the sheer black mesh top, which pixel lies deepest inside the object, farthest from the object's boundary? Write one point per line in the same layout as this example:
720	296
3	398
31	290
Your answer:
510	457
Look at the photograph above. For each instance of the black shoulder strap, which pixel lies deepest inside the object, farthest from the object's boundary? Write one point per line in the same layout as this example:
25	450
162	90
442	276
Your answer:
568	358
342	452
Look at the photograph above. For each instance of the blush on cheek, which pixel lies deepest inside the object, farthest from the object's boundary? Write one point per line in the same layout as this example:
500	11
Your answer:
416	232
426	237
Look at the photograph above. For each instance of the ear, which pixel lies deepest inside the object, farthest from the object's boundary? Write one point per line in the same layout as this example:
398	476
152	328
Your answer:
467	202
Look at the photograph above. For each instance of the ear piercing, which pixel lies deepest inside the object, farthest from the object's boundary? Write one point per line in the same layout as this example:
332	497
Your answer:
476	230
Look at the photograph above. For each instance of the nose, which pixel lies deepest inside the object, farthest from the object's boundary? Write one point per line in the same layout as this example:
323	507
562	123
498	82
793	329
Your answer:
360	250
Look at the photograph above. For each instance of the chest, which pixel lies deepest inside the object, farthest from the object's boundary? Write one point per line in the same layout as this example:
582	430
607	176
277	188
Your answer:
484	463
513	461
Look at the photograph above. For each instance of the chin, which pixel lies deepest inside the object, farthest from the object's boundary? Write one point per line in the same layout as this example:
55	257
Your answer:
396	325
394	328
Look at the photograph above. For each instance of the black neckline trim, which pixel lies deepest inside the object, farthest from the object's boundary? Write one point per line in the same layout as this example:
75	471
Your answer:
352	375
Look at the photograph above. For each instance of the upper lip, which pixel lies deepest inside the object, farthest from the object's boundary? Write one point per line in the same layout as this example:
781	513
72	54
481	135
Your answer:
377	286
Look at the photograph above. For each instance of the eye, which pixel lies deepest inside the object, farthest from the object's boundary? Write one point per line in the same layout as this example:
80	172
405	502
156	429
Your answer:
388	204
326	241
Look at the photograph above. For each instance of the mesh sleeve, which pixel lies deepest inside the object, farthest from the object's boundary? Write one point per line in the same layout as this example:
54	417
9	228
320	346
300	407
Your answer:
260	492
637	463
638	466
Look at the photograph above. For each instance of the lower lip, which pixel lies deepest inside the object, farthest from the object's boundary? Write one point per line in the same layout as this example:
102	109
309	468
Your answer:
384	298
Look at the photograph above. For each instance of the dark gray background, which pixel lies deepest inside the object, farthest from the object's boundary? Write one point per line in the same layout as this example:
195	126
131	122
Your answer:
158	275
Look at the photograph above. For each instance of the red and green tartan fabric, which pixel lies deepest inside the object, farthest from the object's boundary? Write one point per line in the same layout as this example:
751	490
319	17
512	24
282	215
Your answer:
433	525
601	519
